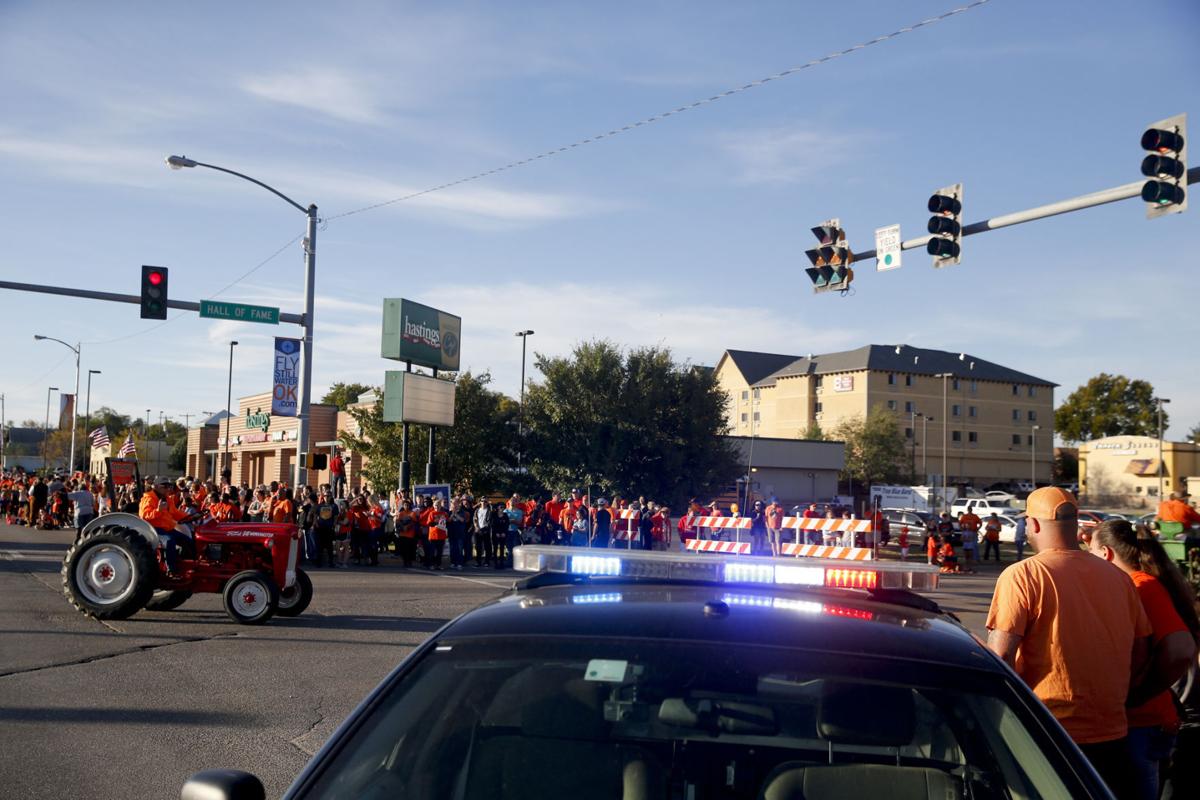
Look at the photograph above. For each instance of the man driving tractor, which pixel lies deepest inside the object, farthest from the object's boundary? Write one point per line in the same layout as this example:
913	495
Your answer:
159	509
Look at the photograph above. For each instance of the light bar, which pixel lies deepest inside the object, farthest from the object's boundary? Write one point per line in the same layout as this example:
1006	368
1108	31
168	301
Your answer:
725	569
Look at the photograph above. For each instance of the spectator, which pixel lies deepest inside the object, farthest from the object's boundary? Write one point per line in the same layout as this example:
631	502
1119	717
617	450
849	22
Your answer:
499	535
406	533
992	537
774	521
84	505
578	520
758	529
970	523
1073	628
662	528
456	531
337	474
645	528
1177	509
435	521
516	518
602	524
931	547
325	515
1020	537
1153	720
902	541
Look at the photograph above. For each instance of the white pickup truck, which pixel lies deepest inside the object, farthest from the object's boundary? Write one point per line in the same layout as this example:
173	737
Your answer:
981	506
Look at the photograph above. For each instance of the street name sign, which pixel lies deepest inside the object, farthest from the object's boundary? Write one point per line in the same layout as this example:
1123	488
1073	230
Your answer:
239	312
887	248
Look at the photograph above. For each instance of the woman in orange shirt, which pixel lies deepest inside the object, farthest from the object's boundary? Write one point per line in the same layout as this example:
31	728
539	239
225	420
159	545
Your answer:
434	520
406	533
283	510
1170	606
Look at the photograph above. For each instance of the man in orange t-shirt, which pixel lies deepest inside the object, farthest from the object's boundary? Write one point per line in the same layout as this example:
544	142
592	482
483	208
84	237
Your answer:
158	508
1176	509
1073	628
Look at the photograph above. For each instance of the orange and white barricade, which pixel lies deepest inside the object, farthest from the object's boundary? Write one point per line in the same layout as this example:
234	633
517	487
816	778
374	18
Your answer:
823	551
713	546
714	524
626	529
840	528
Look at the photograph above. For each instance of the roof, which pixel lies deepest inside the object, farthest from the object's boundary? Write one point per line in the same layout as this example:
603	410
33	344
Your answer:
23	435
756	366
839	622
913	360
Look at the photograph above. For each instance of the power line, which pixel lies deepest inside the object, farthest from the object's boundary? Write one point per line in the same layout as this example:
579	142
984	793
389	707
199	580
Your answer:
665	114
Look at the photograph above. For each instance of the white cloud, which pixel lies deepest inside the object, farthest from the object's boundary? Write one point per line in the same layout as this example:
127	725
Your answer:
97	162
326	90
787	154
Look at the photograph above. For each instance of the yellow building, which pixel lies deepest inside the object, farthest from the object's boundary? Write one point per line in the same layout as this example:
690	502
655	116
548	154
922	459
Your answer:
997	423
1124	470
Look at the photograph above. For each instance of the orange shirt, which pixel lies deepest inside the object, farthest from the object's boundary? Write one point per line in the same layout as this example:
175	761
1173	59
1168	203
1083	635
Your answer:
774	517
566	516
281	511
164	518
1177	511
993	530
554	509
225	512
1078	617
970	521
1165	620
431	518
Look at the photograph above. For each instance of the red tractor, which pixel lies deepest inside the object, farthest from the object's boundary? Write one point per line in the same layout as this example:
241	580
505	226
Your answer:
116	568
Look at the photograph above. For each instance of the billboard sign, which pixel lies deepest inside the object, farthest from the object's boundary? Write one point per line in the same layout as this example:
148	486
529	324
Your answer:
286	378
409	397
420	334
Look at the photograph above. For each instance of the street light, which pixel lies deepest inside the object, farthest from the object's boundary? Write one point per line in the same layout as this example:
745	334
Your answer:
521	412
1161	400
46	428
913	427
310	277
945	446
1033	456
75	398
87	416
228	412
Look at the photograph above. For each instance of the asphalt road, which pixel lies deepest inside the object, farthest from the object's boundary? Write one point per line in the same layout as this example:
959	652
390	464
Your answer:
129	709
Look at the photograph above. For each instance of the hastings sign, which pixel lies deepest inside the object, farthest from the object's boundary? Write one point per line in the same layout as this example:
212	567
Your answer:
258	420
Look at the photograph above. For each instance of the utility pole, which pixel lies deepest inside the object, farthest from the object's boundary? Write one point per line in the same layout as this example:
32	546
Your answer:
46	429
521	409
1033	456
87	420
945	443
1161	400
925	420
2	423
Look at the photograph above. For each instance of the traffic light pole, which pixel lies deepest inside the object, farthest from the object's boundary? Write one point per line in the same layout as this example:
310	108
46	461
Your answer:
88	294
1102	197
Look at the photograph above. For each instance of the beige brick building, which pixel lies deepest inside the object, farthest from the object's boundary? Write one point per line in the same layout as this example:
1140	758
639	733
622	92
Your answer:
988	422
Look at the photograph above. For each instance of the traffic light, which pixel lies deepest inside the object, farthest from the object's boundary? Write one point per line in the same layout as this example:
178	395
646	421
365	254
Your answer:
154	292
1166	166
945	225
316	461
831	259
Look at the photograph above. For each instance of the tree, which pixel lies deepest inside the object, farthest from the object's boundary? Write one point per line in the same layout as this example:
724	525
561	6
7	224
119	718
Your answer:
1066	467
344	395
1108	405
475	454
875	448
813	433
1194	434
634	423
177	459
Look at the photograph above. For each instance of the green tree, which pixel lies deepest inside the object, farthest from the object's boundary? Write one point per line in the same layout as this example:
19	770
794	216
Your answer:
475	454
1194	434
634	423
813	433
875	447
178	457
1108	405
1066	467
344	395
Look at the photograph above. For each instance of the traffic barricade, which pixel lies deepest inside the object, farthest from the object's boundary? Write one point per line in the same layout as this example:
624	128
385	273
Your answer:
713	524
625	525
827	551
714	546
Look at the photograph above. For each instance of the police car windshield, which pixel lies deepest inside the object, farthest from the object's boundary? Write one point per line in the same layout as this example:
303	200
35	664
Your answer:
551	717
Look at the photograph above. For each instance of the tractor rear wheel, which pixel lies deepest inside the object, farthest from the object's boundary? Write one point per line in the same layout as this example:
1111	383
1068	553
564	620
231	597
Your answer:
251	597
166	600
110	573
293	601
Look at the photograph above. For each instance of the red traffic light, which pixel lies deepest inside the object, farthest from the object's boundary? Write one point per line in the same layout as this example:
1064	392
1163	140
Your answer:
1162	141
155	278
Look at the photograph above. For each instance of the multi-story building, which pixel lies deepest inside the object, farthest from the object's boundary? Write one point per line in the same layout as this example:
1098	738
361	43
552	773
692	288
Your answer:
991	422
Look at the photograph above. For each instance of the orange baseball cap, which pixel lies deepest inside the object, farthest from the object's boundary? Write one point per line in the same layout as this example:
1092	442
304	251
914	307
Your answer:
1046	503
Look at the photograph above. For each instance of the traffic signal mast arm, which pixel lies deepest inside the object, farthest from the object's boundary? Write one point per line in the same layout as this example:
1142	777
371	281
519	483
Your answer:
182	305
1041	212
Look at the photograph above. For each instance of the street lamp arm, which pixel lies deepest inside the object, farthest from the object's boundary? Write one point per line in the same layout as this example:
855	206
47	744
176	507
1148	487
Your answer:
270	189
72	347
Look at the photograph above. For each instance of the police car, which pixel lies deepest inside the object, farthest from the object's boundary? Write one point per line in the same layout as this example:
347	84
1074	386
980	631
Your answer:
638	675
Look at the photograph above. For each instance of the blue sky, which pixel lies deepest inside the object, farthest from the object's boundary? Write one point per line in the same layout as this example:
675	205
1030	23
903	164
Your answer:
689	232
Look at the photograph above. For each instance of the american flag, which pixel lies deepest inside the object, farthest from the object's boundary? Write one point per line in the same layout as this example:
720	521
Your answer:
128	448
99	437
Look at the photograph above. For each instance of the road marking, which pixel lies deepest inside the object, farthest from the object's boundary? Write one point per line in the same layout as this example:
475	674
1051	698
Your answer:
507	585
32	555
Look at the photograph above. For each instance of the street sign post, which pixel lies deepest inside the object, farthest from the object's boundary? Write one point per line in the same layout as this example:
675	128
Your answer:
887	248
239	312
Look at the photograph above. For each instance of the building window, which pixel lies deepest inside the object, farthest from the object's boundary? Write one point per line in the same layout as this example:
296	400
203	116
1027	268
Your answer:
956	410
891	379
1016	390
756	416
908	380
908	433
1033	416
1016	415
972	411
1030	438
818	408
743	417
954	384
1033	391
909	407
956	436
974	387
1016	438
891	405
973	437
817	382
756	393
746	395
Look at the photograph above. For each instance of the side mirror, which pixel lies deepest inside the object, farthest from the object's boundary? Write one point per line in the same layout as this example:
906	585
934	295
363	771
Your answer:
223	784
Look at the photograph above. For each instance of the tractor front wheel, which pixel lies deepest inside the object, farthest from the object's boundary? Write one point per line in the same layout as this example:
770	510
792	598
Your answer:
293	601
251	597
110	573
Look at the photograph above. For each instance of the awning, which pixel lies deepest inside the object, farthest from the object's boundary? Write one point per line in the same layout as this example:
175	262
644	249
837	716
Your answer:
1144	467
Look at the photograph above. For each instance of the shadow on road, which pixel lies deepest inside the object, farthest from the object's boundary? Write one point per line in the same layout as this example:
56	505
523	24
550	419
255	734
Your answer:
125	716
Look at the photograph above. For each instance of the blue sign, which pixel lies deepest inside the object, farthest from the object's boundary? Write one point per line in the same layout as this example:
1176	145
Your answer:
287	377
